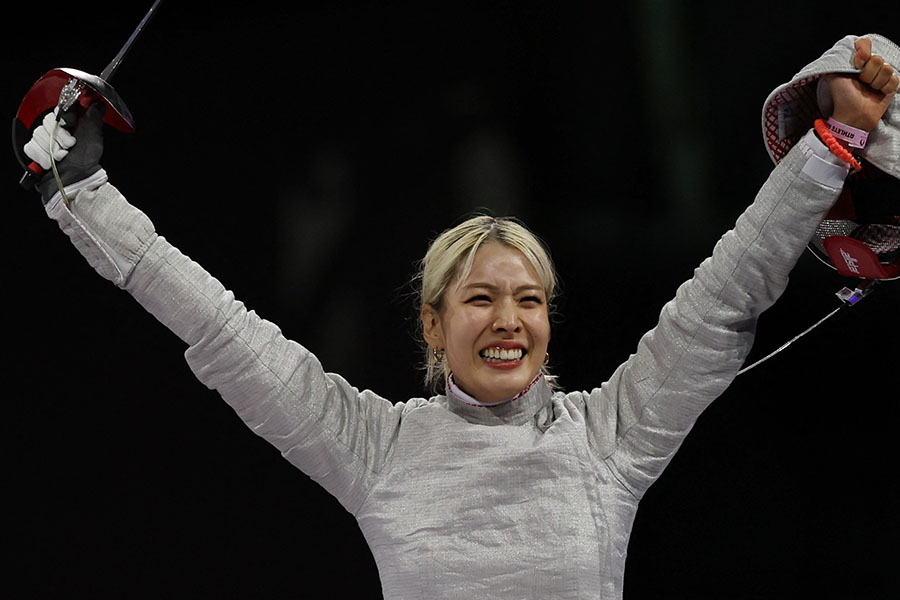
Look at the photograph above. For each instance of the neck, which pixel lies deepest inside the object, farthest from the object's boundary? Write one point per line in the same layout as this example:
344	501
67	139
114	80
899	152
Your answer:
459	393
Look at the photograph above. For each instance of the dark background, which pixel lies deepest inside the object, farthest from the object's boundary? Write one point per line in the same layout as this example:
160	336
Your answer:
306	156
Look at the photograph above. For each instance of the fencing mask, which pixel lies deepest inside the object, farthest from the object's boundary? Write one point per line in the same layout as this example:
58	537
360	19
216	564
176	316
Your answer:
860	235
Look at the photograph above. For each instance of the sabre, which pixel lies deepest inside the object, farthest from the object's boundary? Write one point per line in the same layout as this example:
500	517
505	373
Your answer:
110	70
62	88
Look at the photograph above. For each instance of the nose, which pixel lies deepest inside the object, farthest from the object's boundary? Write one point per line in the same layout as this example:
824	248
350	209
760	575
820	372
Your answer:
506	319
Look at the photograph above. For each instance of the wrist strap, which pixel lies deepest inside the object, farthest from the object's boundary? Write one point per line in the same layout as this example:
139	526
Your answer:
855	137
834	146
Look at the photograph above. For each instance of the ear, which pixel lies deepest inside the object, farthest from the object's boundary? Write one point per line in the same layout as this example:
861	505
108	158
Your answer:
431	327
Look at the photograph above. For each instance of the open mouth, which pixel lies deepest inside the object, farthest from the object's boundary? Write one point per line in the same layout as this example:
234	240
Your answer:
500	356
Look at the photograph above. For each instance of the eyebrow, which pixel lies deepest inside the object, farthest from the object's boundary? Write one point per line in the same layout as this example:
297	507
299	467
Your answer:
494	288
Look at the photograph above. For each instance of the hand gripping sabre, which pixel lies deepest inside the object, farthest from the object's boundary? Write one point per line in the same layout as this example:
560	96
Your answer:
62	88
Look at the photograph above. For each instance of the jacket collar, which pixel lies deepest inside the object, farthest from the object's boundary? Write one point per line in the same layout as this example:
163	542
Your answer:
515	411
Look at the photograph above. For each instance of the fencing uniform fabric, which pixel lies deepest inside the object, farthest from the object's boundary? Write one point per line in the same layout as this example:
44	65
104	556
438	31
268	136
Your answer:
531	499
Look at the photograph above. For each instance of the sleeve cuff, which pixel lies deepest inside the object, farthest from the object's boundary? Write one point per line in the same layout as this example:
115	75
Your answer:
89	183
821	165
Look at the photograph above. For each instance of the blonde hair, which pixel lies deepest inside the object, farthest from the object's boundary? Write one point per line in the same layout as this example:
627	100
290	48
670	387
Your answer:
451	255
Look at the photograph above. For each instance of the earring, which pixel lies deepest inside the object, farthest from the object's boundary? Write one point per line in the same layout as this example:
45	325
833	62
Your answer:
438	355
546	358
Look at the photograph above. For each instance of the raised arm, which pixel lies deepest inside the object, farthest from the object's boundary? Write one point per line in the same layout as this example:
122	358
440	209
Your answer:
331	431
641	415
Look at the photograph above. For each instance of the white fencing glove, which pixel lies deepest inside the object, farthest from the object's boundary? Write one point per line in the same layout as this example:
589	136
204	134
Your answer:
77	159
38	147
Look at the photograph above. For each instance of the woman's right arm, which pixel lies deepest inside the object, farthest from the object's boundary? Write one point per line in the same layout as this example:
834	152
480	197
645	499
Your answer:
334	433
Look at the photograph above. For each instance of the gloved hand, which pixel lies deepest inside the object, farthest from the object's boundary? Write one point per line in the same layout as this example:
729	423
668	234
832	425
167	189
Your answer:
77	158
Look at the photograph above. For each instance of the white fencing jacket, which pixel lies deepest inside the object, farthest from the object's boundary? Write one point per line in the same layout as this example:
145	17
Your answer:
531	499
534	498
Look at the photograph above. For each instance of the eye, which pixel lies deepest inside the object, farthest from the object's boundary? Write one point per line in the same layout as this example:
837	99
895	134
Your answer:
531	300
479	299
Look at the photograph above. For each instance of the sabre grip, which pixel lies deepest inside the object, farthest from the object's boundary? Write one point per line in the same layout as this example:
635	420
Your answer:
74	91
82	160
31	176
34	171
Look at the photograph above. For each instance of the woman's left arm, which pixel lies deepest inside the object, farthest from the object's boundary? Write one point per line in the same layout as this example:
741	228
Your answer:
639	418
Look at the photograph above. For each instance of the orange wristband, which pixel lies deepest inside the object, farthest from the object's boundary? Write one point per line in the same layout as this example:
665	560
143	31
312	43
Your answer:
833	145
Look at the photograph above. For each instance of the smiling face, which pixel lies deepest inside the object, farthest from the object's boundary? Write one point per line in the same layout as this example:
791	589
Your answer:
494	326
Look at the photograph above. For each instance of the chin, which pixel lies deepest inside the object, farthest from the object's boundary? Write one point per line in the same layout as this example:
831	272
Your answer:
504	386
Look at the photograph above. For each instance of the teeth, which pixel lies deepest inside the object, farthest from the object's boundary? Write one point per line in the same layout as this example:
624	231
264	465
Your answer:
502	354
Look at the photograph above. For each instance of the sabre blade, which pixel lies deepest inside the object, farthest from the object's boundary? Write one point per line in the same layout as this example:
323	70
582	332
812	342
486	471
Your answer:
110	69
